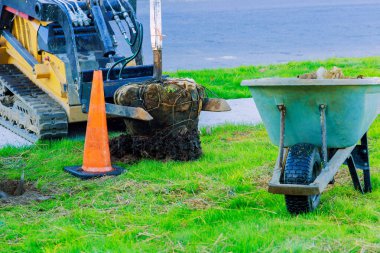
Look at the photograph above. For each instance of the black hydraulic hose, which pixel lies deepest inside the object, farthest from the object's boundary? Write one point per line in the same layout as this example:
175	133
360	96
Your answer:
141	37
130	19
124	59
131	58
118	21
134	38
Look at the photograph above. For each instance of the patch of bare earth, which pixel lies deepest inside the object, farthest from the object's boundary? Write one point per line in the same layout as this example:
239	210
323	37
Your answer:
260	176
197	203
16	192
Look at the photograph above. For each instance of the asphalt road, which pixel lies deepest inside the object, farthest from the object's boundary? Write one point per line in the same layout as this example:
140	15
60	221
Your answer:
224	33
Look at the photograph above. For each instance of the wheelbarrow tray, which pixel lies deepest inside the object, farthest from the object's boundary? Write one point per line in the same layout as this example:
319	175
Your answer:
352	106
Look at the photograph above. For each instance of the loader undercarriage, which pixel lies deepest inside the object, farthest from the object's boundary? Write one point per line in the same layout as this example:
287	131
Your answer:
28	111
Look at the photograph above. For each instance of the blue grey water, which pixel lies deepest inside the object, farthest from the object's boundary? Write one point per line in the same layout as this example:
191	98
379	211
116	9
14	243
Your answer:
224	33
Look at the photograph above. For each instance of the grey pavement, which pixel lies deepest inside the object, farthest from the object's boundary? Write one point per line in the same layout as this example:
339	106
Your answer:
11	139
243	111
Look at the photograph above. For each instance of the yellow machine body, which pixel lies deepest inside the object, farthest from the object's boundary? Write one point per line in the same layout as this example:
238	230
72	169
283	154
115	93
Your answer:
49	75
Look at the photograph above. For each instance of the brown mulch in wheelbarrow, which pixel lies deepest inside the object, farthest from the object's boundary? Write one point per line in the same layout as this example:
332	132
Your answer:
322	73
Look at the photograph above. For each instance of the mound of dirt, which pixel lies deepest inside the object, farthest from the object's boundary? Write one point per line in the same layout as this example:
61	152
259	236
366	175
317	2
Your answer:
175	105
182	145
17	192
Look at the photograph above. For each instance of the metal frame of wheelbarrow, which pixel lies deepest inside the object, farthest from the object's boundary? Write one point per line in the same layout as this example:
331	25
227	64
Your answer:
356	157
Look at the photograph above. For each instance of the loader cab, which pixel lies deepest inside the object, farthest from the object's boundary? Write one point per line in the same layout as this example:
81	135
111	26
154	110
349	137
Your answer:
51	39
93	43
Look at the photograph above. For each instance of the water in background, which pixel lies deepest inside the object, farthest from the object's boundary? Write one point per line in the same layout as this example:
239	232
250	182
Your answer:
225	33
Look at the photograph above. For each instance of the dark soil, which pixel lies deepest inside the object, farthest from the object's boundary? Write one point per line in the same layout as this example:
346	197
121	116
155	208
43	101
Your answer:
183	144
19	193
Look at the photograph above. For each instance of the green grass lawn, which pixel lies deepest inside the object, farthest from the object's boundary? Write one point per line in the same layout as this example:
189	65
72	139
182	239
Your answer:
226	82
216	204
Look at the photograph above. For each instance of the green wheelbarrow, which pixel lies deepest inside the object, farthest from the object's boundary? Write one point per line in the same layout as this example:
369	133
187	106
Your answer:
318	124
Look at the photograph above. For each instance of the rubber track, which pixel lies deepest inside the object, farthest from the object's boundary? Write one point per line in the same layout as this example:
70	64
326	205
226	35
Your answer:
51	118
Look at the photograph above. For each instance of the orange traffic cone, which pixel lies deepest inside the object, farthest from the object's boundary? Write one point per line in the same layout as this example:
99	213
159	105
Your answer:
97	158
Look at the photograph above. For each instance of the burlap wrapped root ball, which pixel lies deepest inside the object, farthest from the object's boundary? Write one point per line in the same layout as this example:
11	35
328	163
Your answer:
175	105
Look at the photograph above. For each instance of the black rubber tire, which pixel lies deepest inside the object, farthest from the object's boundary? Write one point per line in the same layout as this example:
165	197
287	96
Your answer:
303	165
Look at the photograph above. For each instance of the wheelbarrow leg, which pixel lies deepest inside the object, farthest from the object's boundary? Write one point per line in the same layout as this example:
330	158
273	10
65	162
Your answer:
359	159
367	181
366	170
354	174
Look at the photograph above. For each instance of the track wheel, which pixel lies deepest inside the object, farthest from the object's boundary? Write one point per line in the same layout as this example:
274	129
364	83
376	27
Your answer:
303	165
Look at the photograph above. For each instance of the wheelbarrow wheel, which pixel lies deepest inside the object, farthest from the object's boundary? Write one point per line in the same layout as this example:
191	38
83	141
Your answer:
303	165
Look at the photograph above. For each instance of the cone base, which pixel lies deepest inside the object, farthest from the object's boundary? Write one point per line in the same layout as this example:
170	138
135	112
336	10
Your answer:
77	171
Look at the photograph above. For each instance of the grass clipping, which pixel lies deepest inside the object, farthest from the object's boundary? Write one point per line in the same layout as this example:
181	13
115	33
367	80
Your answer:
175	105
322	73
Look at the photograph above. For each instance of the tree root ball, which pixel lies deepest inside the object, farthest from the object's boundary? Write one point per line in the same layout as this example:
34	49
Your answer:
175	105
